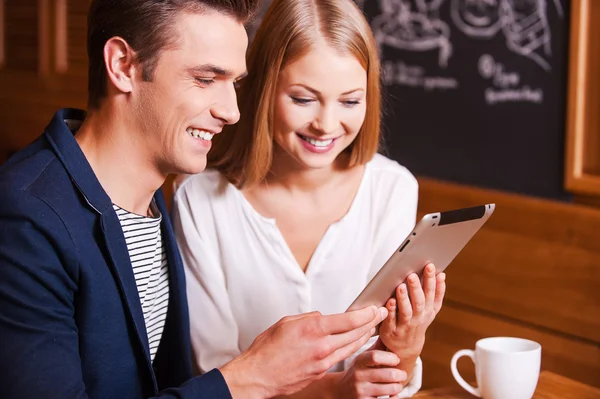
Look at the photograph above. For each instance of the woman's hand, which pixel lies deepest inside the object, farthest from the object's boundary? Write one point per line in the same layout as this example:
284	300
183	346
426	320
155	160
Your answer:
373	373
403	331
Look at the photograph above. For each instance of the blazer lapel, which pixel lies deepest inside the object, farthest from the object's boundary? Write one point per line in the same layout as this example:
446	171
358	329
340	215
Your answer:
60	137
121	264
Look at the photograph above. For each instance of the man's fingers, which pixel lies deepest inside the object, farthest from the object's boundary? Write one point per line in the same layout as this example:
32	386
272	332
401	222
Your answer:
384	375
344	322
375	390
337	341
302	316
345	351
378	358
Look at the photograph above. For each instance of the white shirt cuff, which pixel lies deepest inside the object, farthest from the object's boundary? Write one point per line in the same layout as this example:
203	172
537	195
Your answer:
415	383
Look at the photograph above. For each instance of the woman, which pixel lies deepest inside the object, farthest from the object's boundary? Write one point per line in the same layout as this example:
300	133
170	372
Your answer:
299	212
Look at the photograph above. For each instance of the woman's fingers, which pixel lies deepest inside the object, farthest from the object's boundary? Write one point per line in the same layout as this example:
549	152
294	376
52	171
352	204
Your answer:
405	310
440	291
429	284
417	296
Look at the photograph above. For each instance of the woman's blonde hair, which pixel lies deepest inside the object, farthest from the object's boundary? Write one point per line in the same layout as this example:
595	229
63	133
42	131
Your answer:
290	29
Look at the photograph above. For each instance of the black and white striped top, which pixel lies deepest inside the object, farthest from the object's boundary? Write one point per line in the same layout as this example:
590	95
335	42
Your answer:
149	261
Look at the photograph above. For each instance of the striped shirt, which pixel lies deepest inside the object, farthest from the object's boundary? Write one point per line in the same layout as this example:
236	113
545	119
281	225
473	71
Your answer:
149	261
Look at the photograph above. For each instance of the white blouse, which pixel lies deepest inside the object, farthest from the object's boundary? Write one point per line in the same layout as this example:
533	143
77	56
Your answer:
242	277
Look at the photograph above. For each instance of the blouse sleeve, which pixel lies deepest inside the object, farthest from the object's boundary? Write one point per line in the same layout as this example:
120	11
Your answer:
214	331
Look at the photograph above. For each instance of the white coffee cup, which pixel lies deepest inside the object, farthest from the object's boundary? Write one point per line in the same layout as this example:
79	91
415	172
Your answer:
505	368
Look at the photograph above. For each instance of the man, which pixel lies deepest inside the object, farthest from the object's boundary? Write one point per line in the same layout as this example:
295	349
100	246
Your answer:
92	293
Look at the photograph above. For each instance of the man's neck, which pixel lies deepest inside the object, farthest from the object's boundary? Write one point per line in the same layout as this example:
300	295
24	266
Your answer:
123	167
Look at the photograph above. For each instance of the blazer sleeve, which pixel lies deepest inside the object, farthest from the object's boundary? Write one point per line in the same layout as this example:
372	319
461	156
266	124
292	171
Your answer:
39	356
214	330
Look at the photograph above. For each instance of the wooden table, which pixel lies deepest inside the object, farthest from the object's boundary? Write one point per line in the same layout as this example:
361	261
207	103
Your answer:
550	386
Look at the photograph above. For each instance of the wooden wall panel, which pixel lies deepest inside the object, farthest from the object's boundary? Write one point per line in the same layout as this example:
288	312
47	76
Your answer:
582	160
21	35
29	95
458	328
535	260
532	271
2	36
77	35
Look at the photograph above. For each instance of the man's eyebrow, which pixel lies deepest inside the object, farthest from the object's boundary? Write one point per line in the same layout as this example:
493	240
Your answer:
210	68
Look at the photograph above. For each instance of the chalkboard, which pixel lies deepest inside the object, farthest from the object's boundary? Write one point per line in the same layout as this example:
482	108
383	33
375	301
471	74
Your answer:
475	90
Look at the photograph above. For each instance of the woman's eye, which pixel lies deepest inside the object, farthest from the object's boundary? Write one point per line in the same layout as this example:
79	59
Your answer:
302	101
351	103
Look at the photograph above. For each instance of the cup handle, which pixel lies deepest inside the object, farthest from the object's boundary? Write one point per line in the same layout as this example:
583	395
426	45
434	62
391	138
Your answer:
461	381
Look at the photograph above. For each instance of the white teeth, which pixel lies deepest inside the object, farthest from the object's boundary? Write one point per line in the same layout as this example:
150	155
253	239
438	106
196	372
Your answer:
200	134
317	143
206	135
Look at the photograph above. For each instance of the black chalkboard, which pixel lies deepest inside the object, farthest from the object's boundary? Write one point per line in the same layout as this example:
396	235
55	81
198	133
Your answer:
475	89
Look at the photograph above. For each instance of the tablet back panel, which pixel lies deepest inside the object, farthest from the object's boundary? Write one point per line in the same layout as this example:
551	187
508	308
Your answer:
437	238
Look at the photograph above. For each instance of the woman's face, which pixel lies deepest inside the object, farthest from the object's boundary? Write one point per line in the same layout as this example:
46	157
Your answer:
320	106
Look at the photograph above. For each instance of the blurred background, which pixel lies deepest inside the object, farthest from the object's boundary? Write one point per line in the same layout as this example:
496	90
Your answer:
485	101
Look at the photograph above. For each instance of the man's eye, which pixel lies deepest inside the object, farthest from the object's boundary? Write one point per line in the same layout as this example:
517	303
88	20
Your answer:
205	81
302	101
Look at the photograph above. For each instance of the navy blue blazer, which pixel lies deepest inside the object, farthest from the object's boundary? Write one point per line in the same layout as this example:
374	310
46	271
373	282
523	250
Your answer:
71	323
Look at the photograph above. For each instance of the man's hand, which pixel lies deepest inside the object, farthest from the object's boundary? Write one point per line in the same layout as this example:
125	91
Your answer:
372	374
298	350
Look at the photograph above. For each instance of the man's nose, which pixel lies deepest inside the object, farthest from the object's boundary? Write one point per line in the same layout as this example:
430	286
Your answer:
226	109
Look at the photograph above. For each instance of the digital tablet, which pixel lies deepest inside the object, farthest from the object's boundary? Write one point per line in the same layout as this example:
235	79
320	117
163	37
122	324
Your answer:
437	238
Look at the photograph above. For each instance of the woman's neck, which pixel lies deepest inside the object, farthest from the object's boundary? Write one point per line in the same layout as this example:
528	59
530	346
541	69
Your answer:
290	175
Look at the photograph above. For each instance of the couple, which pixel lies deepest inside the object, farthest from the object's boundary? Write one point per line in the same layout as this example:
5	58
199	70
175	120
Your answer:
92	283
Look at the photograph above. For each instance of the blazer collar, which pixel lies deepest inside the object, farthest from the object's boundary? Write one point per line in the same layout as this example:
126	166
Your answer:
59	133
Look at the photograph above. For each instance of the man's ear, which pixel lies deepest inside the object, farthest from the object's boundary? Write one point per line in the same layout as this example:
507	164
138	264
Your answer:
119	59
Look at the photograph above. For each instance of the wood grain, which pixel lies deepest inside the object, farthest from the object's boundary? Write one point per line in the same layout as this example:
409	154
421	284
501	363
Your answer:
458	327
535	261
582	166
532	271
28	100
2	35
550	386
21	35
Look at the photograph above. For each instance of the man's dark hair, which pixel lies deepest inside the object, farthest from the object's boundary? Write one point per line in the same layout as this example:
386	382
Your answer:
147	26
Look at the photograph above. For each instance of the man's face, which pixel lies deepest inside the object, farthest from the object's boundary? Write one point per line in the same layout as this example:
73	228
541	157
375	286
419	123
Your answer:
192	94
